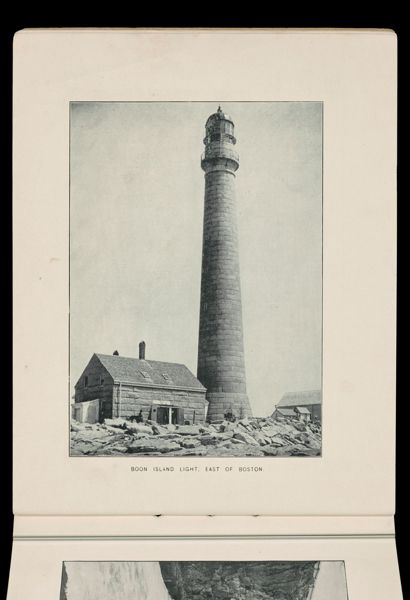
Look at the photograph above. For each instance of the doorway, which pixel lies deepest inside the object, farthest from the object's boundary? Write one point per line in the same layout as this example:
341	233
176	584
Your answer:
163	415
167	415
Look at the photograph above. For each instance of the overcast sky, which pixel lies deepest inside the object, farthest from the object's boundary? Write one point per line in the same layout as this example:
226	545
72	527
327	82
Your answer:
331	581
136	209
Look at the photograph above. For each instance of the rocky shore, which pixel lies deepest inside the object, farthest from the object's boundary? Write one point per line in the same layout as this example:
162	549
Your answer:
246	437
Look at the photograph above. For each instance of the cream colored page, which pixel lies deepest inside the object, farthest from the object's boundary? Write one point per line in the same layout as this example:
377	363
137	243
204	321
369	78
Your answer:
357	568
79	527
353	75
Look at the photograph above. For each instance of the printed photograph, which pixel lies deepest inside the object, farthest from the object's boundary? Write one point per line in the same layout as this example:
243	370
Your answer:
195	323
203	580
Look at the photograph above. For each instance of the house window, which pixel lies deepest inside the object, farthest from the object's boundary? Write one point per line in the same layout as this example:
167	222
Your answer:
86	381
146	375
101	380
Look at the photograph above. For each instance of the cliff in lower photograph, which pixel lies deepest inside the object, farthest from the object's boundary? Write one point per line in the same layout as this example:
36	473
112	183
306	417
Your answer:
240	580
203	580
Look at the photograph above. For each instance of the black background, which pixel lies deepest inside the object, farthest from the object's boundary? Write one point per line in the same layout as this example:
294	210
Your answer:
211	17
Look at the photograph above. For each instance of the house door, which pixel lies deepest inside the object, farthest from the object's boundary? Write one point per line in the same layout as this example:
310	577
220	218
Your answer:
177	416
162	415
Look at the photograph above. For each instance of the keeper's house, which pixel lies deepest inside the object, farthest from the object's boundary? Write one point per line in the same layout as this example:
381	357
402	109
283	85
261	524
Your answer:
116	386
305	405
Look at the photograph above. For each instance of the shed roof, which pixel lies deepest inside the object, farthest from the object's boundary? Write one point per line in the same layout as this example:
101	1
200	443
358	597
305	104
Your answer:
286	412
305	398
135	370
303	410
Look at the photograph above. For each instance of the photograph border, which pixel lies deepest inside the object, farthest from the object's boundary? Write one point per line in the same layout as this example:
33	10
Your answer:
218	561
142	455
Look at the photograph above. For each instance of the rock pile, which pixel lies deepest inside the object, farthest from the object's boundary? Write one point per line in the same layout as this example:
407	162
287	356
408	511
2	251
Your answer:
246	437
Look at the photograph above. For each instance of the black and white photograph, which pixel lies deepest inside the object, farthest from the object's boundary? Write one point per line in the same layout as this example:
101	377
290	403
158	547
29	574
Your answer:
203	580
195	324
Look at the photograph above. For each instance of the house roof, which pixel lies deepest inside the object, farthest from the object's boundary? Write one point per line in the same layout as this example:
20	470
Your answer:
300	398
303	410
148	372
286	412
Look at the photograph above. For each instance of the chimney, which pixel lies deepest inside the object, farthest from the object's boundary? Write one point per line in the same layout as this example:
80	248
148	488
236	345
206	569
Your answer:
142	351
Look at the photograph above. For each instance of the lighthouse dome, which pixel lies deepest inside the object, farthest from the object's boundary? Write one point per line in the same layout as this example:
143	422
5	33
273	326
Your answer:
219	115
219	129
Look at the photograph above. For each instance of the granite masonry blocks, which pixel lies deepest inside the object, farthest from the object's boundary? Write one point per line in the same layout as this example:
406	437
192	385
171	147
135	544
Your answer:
220	403
127	401
221	366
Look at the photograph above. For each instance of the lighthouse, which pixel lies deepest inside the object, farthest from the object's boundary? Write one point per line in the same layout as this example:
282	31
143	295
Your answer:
221	364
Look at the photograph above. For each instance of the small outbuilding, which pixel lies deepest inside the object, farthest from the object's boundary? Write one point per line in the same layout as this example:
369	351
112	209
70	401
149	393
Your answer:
281	414
303	413
135	388
306	405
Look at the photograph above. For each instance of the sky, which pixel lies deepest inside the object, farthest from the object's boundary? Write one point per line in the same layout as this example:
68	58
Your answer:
115	580
330	583
136	210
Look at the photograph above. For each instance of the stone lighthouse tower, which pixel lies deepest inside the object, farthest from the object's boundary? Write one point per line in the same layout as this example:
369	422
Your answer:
221	365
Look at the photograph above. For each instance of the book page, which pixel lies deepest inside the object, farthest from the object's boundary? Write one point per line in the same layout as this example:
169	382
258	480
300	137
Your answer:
204	278
303	569
199	527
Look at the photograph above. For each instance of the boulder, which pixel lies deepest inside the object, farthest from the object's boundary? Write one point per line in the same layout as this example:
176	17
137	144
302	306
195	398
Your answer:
300	450
158	429
91	435
139	428
277	441
245	437
112	450
243	425
312	443
116	422
189	429
189	443
211	439
260	438
269	451
169	436
226	426
110	429
199	451
152	445
271	431
140	436
84	448
225	443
